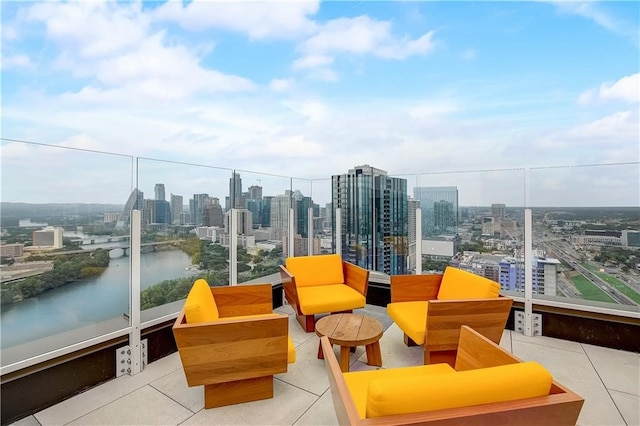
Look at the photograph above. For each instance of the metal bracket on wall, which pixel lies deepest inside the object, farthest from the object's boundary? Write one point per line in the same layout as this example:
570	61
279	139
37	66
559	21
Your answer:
536	323
123	358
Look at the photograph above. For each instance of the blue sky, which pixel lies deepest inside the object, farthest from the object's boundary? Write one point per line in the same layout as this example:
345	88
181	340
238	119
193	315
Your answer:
310	89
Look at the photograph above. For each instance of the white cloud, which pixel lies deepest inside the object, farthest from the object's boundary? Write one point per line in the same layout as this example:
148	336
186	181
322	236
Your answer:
280	84
596	12
263	19
364	35
626	89
132	63
312	61
15	61
83	26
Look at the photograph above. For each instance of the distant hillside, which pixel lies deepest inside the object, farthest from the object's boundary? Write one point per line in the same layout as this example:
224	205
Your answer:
41	211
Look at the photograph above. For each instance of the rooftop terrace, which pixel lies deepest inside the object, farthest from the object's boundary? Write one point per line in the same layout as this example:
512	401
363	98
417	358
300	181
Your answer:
607	379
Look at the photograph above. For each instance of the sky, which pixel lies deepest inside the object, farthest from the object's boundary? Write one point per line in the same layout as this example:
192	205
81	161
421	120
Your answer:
492	97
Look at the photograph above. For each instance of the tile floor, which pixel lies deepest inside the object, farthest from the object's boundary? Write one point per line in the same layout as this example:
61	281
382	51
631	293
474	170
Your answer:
608	379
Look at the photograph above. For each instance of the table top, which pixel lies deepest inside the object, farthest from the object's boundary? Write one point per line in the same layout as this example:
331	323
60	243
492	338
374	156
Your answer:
349	329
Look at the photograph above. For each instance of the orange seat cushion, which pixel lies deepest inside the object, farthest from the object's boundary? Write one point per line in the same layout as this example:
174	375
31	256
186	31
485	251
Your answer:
329	298
459	284
411	317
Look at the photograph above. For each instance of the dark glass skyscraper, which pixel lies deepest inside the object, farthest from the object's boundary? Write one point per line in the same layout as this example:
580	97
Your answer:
439	206
374	213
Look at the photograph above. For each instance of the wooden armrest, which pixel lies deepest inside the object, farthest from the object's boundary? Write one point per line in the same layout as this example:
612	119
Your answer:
411	288
344	406
240	300
356	277
289	285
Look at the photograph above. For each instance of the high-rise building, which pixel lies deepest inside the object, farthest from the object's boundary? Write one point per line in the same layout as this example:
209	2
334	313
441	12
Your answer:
236	199
301	205
197	206
412	240
134	202
213	215
498	212
176	209
544	275
374	215
245	222
279	215
162	212
439	206
255	192
50	236
159	190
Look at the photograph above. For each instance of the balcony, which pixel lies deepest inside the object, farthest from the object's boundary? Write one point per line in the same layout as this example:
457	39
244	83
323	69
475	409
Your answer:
64	355
606	378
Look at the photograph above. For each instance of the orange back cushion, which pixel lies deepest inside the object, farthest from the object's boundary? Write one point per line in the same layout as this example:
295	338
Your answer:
316	270
200	305
459	284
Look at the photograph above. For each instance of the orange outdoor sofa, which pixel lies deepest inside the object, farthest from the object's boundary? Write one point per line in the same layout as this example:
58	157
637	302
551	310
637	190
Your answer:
488	386
430	309
232	343
322	284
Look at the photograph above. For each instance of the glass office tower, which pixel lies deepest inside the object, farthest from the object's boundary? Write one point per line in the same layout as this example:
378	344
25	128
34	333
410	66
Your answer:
439	206
374	211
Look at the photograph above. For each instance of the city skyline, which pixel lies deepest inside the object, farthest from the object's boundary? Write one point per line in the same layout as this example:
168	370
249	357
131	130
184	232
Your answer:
308	89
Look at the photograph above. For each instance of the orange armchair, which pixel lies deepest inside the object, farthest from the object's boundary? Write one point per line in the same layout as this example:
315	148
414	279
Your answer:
430	309
231	342
323	284
488	387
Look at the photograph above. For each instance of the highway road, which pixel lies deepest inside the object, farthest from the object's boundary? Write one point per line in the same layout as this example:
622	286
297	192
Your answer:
572	260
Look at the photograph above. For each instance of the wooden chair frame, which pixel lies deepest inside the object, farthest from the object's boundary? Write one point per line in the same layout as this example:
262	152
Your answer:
354	276
560	407
235	359
444	317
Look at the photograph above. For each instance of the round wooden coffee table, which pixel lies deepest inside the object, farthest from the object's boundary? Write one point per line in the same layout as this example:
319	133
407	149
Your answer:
349	331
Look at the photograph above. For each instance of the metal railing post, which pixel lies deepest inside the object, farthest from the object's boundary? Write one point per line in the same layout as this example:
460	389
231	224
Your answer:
418	241
233	247
528	274
338	236
134	287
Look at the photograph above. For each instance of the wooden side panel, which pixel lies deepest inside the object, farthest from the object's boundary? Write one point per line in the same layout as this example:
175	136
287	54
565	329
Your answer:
225	351
410	288
444	318
344	406
243	300
356	277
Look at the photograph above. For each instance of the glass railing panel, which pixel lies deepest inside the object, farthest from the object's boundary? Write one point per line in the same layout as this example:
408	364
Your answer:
185	231
65	274
586	234
263	234
474	221
304	211
322	224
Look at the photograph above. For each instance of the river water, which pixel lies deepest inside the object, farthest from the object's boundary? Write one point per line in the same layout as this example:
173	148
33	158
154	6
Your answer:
86	302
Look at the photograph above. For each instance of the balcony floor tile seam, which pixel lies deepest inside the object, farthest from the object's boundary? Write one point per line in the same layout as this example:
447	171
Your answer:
173	399
298	387
311	406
